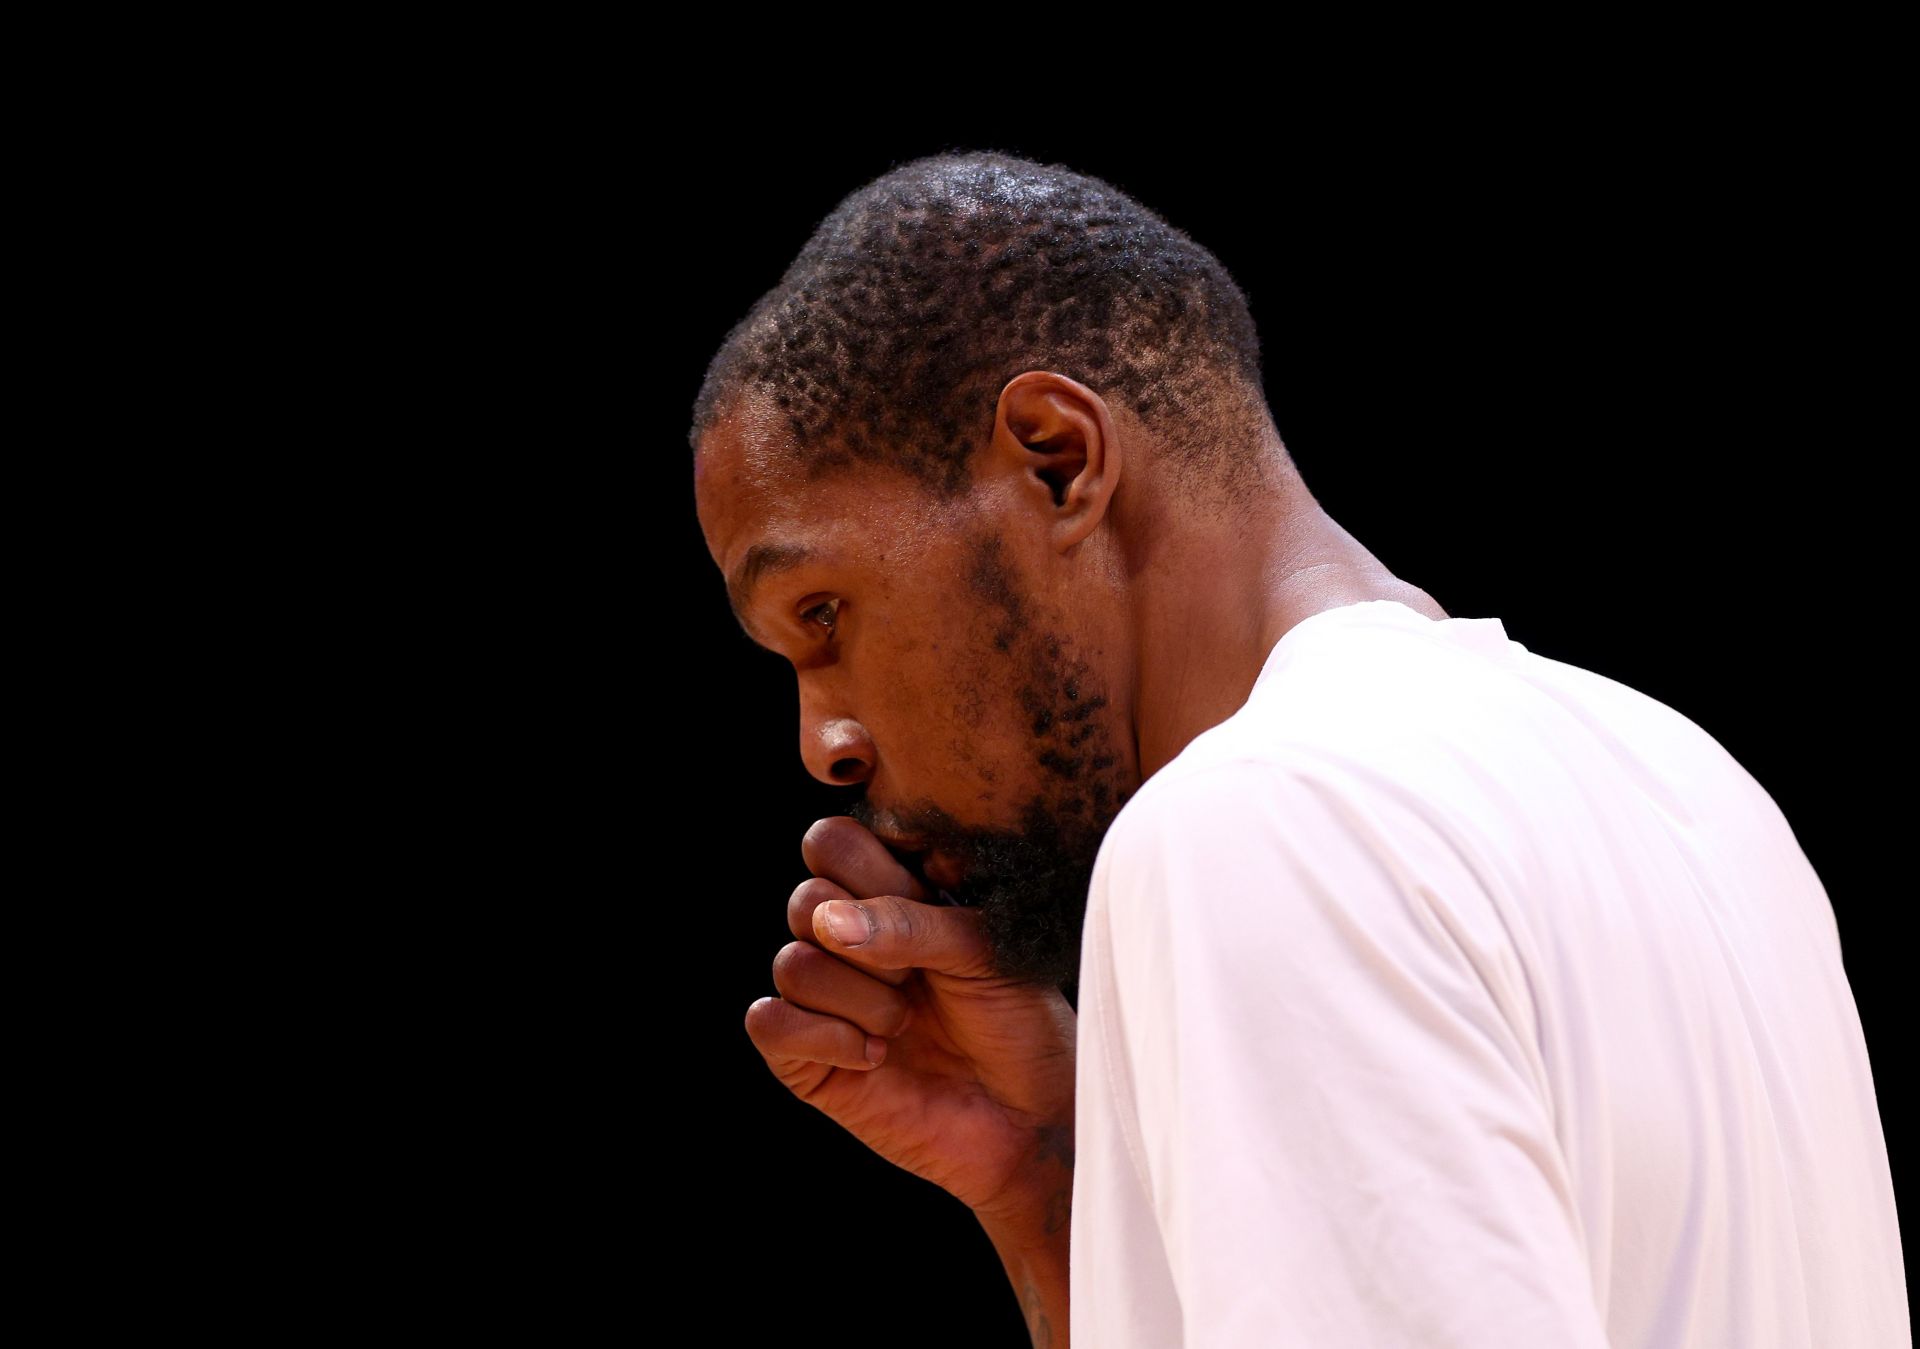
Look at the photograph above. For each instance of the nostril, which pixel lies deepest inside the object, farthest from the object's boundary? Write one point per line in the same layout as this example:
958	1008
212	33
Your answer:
846	768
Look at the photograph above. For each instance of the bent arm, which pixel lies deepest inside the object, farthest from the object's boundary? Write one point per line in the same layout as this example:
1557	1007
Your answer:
1030	1234
1037	1266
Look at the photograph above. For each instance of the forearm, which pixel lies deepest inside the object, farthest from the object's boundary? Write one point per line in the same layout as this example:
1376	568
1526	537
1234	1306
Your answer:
1036	1263
1031	1231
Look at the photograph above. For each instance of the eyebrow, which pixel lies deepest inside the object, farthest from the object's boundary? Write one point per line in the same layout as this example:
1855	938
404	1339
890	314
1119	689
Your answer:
763	559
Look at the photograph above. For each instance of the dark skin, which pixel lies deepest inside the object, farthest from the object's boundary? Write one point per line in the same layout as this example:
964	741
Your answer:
999	674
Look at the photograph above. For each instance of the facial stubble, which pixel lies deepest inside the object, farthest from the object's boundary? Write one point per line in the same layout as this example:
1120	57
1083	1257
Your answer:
1030	883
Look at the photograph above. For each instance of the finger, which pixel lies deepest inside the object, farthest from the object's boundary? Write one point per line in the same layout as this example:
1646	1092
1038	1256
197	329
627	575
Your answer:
808	977
845	851
784	1033
809	895
891	933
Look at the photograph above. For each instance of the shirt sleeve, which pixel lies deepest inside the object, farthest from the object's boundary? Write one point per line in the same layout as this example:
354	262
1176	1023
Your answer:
1332	1111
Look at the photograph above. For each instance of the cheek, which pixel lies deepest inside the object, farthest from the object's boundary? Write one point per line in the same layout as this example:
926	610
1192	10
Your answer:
941	697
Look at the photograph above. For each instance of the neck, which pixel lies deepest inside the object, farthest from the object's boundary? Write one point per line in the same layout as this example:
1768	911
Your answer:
1220	594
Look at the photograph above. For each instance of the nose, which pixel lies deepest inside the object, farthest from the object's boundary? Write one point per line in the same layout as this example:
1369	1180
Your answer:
836	749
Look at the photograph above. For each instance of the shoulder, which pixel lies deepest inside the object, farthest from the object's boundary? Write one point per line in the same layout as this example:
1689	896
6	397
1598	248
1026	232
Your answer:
1197	787
1268	826
1289	873
1284	840
1261	799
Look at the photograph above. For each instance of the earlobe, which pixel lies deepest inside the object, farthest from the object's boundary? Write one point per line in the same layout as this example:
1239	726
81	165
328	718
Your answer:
1059	436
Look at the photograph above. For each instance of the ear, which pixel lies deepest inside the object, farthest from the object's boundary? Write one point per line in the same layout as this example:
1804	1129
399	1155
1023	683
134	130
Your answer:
1054	437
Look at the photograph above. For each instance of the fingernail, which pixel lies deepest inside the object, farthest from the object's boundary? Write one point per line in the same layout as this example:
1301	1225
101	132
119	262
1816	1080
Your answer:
847	923
876	1049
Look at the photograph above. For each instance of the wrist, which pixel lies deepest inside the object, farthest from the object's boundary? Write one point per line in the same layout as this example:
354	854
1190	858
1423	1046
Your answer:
1035	1208
1039	1224
1031	1233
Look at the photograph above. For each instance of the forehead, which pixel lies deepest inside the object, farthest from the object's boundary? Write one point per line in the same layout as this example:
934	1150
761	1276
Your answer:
750	490
760	511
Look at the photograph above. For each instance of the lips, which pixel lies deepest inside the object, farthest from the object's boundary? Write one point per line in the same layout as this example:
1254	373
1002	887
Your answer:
942	869
909	853
901	846
935	868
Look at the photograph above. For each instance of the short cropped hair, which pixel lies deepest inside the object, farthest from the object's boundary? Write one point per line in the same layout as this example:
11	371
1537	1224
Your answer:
890	335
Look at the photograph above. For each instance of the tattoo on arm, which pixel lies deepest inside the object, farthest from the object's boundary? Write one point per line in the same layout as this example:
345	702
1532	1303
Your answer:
1037	1324
1056	1142
1059	1210
1052	1143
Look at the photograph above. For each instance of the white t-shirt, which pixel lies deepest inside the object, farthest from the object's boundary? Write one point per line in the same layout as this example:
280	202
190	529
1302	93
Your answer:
1450	995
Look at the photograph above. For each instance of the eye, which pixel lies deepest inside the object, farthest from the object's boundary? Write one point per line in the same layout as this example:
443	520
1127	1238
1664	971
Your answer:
830	608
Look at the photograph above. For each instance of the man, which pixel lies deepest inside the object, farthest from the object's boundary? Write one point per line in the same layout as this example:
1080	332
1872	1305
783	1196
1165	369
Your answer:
1430	991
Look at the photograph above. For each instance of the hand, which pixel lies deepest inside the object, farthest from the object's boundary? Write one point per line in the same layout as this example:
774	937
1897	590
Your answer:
974	1091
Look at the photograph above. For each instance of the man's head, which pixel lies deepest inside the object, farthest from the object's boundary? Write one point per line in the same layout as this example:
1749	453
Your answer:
909	465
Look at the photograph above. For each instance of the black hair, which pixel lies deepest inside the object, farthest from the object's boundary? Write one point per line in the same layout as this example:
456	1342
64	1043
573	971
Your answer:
890	335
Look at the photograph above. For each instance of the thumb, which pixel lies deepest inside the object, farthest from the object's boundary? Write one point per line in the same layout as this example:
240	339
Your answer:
889	932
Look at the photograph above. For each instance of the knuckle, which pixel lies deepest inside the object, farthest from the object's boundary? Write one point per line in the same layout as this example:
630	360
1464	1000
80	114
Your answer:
790	964
899	917
761	1021
826	843
818	830
809	894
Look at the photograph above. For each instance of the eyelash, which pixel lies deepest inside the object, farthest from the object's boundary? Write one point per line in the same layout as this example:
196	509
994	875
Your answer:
807	615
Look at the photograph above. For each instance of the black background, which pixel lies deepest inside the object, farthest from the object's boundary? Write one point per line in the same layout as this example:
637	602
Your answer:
1596	367
1594	378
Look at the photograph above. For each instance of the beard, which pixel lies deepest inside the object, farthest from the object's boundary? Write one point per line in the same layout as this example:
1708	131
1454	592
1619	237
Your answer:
1030	888
1030	882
